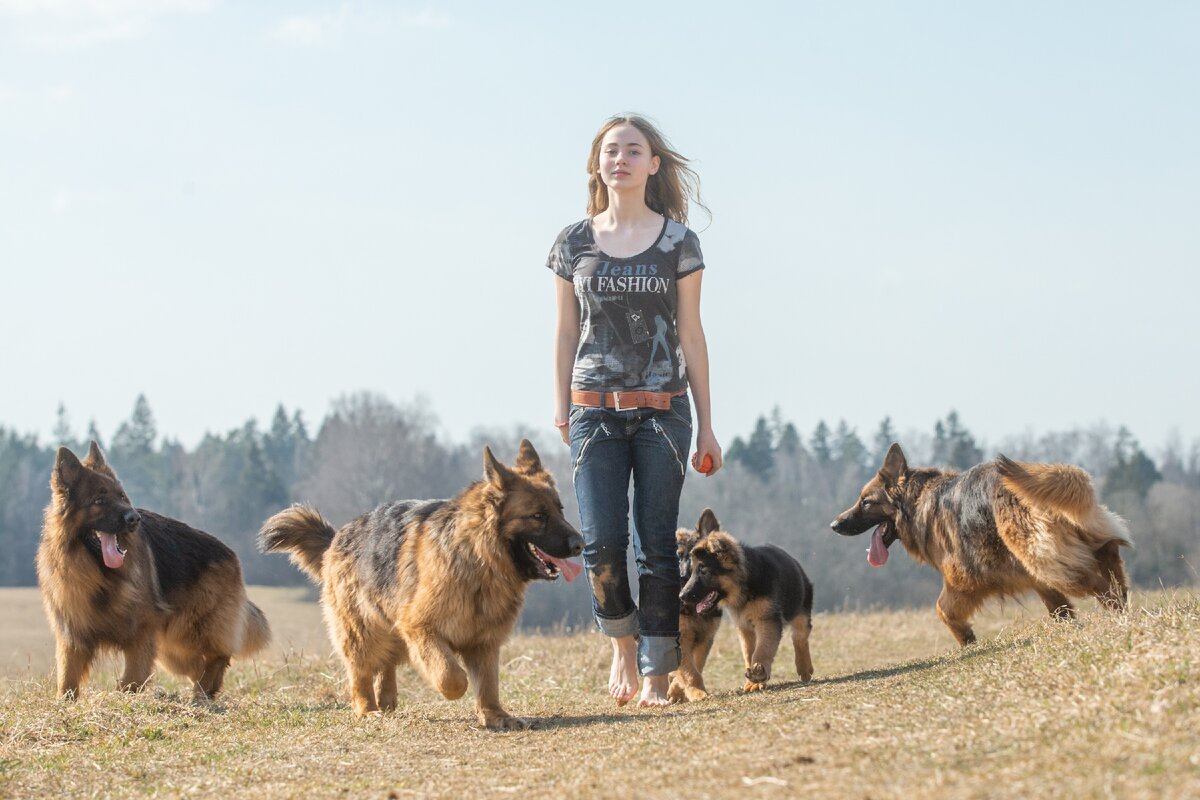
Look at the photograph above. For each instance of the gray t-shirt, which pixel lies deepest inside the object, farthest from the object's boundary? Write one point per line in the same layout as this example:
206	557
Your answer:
627	336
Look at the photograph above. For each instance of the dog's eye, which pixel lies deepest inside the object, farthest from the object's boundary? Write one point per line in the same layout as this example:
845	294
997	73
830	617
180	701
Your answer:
99	501
866	503
540	516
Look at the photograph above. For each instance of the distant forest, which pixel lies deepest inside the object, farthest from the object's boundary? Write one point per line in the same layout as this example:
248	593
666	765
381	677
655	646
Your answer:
779	486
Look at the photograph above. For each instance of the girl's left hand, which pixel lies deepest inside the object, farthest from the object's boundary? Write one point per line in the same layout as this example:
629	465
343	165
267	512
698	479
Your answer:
706	445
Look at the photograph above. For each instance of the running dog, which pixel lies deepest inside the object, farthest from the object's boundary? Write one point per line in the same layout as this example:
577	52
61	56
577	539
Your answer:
763	588
120	578
1000	528
437	583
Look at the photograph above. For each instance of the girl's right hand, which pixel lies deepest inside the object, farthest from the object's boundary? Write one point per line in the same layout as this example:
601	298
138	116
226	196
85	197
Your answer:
564	430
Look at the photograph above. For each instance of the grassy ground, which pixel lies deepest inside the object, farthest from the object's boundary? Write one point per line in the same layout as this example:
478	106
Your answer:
1103	707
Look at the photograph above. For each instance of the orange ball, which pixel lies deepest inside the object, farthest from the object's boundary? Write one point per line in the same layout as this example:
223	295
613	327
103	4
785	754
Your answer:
706	465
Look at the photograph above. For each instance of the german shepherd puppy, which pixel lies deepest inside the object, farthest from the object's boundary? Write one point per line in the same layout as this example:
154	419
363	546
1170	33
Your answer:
116	577
437	583
1000	528
696	630
763	588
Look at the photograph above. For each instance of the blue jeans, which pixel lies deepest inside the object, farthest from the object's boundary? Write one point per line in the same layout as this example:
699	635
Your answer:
608	446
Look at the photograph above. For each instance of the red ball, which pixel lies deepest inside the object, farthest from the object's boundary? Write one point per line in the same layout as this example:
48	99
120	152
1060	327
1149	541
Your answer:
706	465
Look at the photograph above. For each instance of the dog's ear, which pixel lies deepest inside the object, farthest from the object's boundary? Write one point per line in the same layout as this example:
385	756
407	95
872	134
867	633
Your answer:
685	538
708	522
94	458
496	473
720	544
528	461
67	471
894	465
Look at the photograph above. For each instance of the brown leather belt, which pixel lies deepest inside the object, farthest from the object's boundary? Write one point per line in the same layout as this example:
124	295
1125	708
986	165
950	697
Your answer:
624	401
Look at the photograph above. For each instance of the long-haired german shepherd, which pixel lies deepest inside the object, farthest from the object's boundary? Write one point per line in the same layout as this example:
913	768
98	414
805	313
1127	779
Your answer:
763	588
434	582
1000	528
116	577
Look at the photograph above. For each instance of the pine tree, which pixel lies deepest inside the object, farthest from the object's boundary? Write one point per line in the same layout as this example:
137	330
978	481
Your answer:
848	448
62	433
883	440
138	434
1134	471
963	452
132	455
953	445
819	444
789	440
759	457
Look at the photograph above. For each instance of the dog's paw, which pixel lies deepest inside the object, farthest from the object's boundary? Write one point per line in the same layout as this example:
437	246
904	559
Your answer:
695	694
676	693
505	722
757	673
751	686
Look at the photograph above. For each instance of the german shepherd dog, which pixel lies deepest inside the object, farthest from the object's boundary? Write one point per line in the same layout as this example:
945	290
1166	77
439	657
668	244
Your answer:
120	578
437	583
1000	528
763	588
696	630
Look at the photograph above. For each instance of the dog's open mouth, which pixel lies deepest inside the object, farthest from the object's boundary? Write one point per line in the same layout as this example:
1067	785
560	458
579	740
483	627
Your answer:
881	539
111	550
708	602
549	567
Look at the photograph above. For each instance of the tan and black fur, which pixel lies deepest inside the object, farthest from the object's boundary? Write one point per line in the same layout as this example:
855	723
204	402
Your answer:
1000	528
696	630
763	588
436	583
176	597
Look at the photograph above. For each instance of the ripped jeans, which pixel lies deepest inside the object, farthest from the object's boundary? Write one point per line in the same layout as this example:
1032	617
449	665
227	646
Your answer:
607	447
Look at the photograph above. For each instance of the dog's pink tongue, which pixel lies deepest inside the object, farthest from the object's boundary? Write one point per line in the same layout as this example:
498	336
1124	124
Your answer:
877	556
113	558
569	569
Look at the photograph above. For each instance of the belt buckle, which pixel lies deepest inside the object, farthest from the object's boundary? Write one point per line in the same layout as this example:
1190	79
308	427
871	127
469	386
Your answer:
617	401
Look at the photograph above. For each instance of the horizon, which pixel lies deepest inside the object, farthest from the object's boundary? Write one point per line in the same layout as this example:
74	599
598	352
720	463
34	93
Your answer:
904	433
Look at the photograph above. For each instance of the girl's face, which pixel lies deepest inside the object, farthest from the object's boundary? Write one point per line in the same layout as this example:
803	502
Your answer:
625	159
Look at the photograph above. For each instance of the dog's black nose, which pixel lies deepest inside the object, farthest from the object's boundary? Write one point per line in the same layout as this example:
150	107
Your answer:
834	525
576	544
132	518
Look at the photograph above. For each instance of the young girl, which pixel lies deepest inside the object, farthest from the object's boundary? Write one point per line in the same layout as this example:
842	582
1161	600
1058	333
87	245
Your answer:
629	343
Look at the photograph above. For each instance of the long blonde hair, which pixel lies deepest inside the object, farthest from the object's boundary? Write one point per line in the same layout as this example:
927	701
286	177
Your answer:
668	191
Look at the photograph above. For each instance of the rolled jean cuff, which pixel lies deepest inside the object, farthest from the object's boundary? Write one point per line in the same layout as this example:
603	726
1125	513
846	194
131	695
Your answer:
658	655
621	626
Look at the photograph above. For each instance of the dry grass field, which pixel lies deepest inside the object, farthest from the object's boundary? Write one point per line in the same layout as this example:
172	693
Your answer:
1102	707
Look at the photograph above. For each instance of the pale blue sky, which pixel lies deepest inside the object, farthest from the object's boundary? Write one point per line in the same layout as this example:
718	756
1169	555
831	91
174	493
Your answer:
916	206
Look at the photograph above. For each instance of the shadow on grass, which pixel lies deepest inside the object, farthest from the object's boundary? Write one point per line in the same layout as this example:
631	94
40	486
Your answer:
646	716
564	721
969	653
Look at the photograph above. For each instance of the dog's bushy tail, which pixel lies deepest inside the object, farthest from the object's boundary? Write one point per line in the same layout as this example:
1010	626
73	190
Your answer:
1065	490
1076	532
302	533
256	633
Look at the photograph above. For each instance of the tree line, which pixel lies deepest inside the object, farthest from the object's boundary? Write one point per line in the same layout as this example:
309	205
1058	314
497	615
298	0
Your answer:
779	486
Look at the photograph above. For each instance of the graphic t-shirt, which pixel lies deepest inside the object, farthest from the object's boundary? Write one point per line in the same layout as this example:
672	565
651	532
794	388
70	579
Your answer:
627	336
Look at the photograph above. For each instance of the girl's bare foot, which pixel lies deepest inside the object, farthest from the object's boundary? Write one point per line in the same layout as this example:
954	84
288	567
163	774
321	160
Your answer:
654	691
622	678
